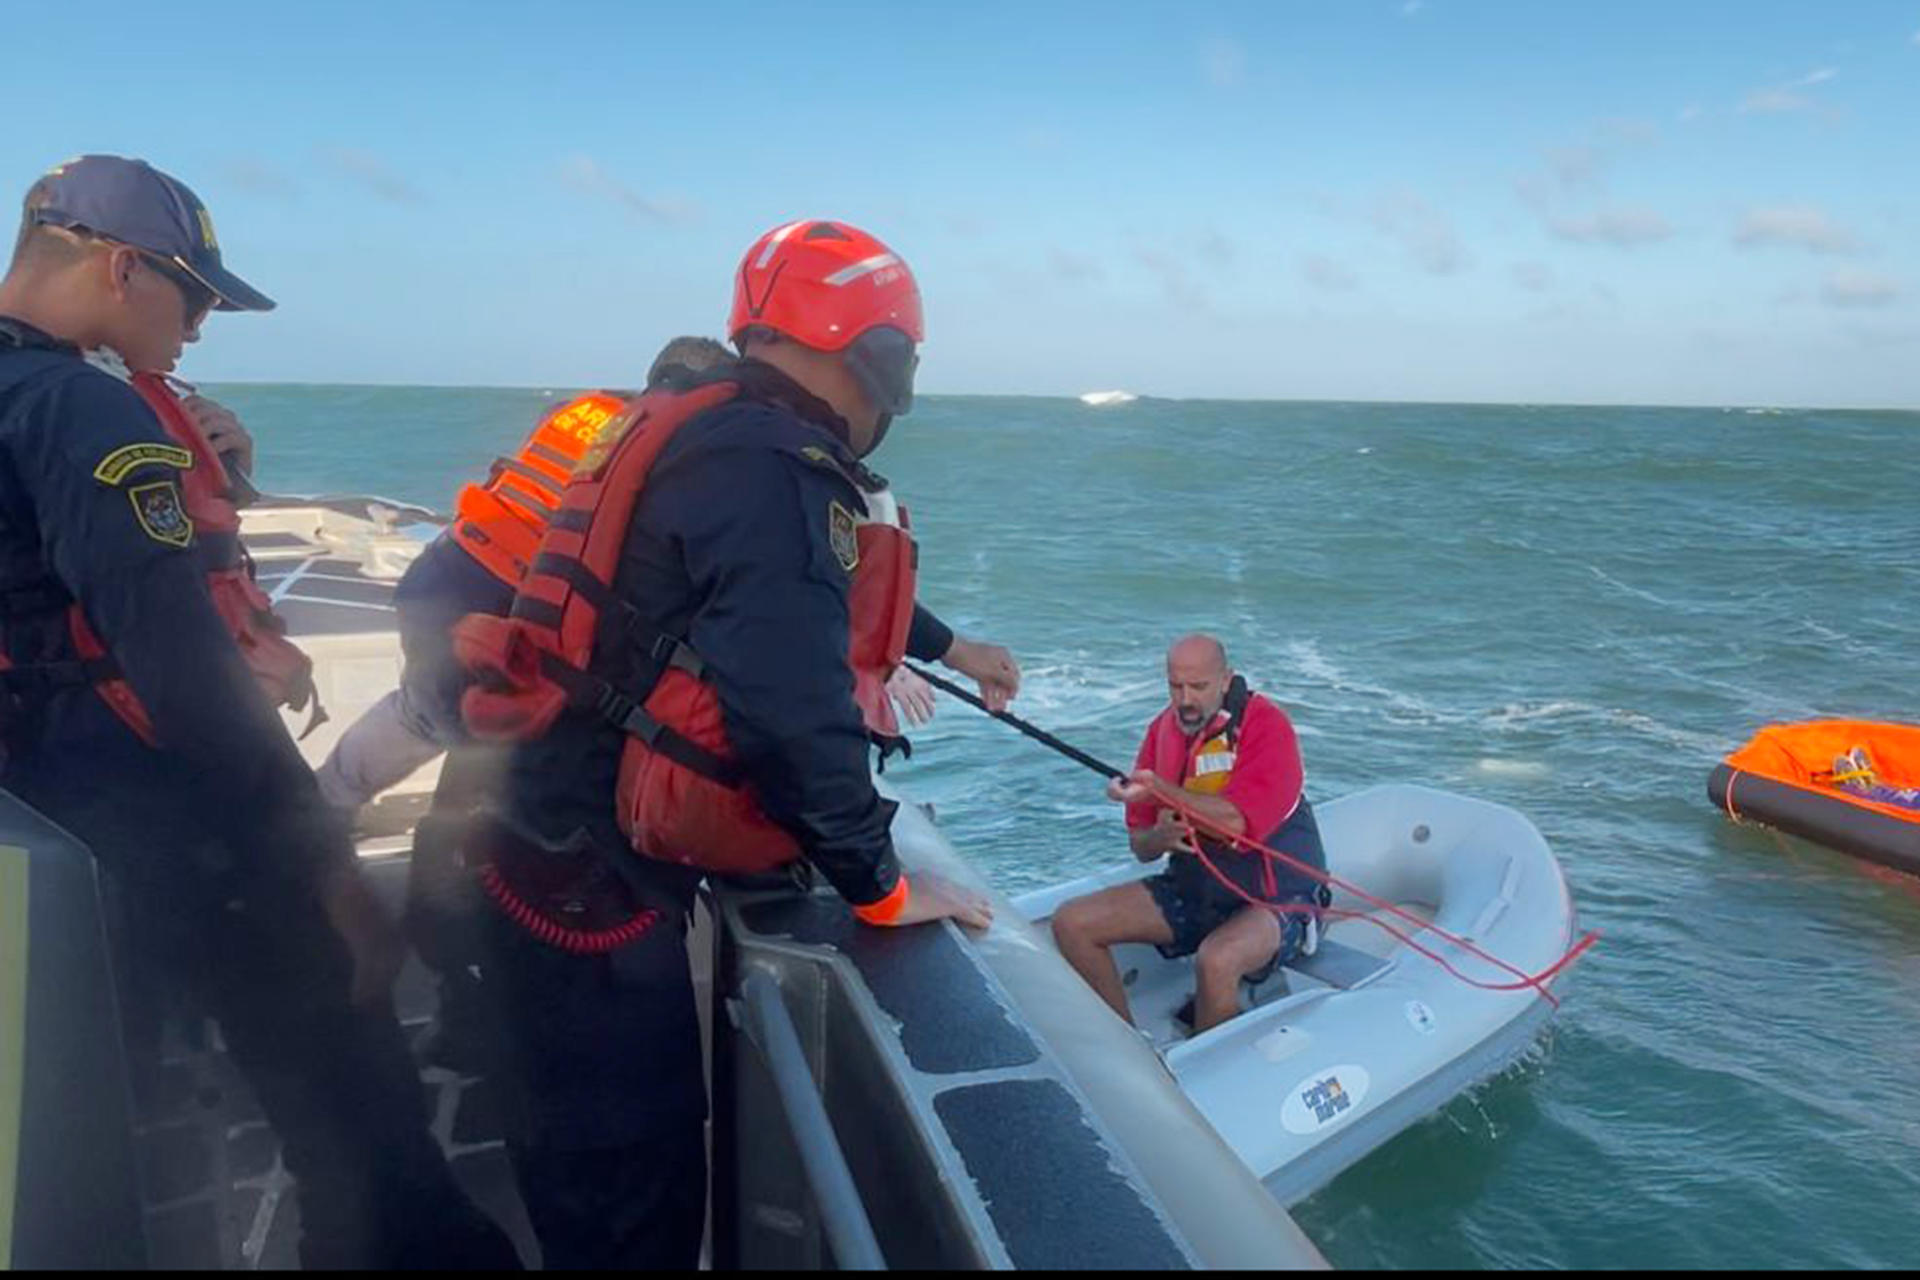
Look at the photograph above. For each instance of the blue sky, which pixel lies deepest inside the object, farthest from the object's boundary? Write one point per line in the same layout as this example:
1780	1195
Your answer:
1503	200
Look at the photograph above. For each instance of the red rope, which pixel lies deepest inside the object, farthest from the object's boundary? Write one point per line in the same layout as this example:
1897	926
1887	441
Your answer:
1194	822
579	942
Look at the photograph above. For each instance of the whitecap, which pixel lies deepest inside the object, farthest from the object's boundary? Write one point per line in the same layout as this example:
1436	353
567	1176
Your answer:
1513	768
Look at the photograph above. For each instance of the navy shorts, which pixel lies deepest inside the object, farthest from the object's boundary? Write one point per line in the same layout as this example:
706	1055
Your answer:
1194	904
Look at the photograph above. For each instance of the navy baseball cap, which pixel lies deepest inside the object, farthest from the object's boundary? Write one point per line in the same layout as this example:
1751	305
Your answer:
134	203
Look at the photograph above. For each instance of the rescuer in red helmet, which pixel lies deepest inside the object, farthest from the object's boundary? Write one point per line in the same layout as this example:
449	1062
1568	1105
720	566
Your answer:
688	684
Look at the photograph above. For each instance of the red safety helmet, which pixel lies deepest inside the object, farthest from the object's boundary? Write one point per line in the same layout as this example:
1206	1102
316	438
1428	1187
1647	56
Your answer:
833	287
823	284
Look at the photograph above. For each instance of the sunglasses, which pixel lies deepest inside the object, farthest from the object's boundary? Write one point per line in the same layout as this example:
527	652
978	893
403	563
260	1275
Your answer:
196	299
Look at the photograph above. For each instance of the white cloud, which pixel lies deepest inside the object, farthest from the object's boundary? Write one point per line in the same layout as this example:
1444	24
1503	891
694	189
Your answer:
1181	288
1783	98
1630	131
1535	277
1073	268
1329	205
251	175
1849	288
1578	171
1623	228
1411	7
1223	62
373	173
584	174
1041	140
1802	227
1574	166
1323	272
1423	231
1691	112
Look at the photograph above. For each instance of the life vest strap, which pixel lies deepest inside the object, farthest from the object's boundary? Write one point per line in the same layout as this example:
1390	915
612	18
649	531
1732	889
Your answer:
662	648
627	713
221	550
570	570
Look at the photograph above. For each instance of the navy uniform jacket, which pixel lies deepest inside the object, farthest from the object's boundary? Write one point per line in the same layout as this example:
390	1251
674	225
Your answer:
226	796
730	549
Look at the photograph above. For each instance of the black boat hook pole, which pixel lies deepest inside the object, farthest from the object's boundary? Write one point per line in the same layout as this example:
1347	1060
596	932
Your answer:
1039	735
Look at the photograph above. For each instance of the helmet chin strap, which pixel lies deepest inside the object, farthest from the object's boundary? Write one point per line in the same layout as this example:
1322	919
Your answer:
879	434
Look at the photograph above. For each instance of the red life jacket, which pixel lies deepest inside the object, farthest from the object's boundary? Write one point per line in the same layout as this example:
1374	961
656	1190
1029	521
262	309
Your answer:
679	796
499	523
284	672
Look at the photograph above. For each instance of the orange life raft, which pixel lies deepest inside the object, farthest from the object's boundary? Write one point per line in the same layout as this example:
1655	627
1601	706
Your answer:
1852	785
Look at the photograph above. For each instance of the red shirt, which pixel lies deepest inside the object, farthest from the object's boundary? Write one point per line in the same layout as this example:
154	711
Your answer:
1267	776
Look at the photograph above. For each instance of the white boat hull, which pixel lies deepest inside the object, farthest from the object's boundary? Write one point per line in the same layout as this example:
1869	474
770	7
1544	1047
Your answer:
1316	1075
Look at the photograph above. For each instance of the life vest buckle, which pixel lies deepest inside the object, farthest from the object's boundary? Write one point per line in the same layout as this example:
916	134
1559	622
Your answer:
668	651
613	705
627	715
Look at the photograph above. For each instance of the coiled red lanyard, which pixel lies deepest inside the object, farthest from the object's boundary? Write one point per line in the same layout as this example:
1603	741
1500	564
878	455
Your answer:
579	942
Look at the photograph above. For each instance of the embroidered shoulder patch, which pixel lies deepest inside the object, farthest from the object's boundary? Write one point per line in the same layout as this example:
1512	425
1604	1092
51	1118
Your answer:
158	508
843	534
128	458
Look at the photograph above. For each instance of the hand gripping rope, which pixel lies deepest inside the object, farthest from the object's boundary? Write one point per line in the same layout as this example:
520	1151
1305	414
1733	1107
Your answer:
1196	824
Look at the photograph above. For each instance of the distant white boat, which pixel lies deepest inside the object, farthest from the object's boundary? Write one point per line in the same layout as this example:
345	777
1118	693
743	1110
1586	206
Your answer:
1101	399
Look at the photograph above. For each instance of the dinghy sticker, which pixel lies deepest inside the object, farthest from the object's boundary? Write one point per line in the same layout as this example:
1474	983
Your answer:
1420	1017
1324	1098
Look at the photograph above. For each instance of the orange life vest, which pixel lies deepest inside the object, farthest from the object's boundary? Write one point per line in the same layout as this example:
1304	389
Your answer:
679	796
500	523
284	672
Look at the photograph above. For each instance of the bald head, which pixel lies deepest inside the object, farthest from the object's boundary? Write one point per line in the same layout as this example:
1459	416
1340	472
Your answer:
1198	648
1197	680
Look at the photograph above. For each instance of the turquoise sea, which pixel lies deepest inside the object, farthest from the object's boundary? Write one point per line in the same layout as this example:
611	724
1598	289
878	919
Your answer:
1572	611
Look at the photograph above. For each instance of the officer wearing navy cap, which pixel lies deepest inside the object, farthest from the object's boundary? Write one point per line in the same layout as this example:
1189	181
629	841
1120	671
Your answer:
237	878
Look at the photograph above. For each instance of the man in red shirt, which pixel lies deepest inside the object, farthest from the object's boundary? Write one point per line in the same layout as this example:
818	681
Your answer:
1230	756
